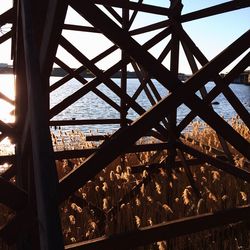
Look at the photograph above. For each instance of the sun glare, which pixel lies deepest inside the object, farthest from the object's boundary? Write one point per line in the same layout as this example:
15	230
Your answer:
7	97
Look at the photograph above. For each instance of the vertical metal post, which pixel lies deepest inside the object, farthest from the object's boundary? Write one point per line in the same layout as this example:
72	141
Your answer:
176	7
125	26
124	72
45	176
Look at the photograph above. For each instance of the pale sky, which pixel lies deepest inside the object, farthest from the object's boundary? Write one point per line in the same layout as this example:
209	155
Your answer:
211	34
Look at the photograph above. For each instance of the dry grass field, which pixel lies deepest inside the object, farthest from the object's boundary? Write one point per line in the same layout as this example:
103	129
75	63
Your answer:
120	199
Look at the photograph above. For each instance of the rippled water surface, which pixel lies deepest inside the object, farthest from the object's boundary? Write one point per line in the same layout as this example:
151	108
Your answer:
92	107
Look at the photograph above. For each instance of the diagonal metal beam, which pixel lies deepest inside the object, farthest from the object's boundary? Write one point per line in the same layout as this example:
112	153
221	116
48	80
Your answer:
217	90
133	16
221	8
203	92
6	98
6	129
106	80
125	42
135	6
7	17
80	69
6	36
215	10
82	80
113	13
99	74
225	166
108	73
165	231
80	28
121	141
228	93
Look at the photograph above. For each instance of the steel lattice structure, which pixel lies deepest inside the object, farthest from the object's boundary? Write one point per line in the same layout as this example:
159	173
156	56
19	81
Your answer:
36	34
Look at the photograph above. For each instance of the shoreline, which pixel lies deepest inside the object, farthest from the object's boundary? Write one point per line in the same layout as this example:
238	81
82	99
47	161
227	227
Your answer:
130	75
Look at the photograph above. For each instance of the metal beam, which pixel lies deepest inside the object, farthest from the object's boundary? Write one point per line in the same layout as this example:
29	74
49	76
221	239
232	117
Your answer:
217	163
241	66
165	231
135	6
6	36
7	17
120	140
215	10
12	196
44	164
219	9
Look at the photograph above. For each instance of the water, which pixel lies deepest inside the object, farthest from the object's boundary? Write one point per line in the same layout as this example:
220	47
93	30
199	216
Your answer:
92	107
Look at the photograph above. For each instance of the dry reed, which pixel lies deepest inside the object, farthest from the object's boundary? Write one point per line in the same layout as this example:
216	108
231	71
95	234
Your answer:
166	196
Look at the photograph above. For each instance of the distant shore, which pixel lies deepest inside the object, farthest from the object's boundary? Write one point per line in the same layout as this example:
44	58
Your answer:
244	77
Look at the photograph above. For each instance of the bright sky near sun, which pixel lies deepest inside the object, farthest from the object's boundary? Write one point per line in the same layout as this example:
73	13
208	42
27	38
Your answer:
211	34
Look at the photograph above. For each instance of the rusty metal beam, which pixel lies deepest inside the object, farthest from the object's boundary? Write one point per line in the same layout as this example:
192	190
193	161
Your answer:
82	91
143	85
39	62
124	80
151	27
165	52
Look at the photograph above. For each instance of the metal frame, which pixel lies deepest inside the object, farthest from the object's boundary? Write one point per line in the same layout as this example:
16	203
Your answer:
38	191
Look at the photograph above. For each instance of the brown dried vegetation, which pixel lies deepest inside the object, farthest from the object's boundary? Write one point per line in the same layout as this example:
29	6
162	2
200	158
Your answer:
99	208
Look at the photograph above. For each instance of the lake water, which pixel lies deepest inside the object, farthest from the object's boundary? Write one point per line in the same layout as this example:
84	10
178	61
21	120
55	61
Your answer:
92	107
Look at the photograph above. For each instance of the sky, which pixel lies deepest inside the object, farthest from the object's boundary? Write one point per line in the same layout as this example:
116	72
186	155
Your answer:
211	35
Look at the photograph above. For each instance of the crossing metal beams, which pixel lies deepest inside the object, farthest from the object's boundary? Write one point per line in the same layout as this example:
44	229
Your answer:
38	33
